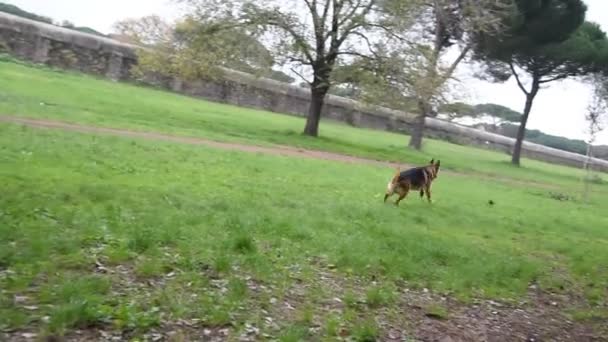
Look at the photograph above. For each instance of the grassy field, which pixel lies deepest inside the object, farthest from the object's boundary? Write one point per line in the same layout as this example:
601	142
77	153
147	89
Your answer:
83	99
90	226
132	235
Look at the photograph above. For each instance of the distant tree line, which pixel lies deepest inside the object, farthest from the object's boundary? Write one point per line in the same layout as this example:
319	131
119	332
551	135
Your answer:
12	9
538	137
505	121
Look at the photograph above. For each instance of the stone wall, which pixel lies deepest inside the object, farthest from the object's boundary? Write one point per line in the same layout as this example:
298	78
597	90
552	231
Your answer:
59	47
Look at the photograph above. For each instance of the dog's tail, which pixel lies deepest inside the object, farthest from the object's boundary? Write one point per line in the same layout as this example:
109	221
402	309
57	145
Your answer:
390	187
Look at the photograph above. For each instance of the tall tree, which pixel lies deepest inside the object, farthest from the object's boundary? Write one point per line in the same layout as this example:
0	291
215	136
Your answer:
312	37
597	118
444	25
547	40
419	71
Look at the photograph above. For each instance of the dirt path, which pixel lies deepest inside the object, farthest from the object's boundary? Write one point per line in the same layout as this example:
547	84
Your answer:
279	150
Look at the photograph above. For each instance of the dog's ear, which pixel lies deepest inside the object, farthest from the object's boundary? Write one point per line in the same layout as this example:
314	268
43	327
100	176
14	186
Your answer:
432	161
438	164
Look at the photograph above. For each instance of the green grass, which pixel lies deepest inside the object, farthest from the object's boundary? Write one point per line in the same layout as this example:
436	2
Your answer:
436	311
100	231
590	315
182	232
84	99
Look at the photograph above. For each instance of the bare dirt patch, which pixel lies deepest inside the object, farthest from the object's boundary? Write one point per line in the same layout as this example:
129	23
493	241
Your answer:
412	315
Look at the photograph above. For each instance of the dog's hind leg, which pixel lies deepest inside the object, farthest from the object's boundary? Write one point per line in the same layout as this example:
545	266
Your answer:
399	199
402	195
422	193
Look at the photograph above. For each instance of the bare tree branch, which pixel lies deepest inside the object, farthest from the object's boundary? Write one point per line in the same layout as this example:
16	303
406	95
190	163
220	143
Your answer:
301	76
355	54
390	33
352	12
521	86
298	39
298	60
367	42
558	77
356	24
325	13
316	23
448	74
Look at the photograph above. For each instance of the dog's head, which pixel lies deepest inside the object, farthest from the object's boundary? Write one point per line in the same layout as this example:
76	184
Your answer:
434	168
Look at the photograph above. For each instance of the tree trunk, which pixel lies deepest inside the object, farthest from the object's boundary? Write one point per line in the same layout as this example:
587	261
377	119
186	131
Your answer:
521	133
317	99
587	175
418	129
588	156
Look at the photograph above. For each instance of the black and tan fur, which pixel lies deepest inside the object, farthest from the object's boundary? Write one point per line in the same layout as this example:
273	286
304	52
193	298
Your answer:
418	178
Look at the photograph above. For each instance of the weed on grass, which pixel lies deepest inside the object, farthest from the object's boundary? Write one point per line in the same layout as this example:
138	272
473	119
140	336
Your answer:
366	331
436	311
379	296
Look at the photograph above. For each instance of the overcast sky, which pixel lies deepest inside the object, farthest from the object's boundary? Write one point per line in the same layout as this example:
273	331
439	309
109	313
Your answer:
558	109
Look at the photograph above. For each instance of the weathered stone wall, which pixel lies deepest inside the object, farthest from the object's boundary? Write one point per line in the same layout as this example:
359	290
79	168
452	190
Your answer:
59	47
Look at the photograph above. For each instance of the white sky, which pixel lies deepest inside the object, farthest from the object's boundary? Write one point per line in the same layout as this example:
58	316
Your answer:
558	110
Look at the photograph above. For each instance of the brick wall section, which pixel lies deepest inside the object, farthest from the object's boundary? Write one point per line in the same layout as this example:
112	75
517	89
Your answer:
59	47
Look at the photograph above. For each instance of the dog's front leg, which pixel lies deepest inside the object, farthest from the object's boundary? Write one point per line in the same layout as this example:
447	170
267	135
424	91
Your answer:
428	193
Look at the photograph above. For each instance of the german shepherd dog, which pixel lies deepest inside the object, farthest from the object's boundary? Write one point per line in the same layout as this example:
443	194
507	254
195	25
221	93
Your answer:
418	178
